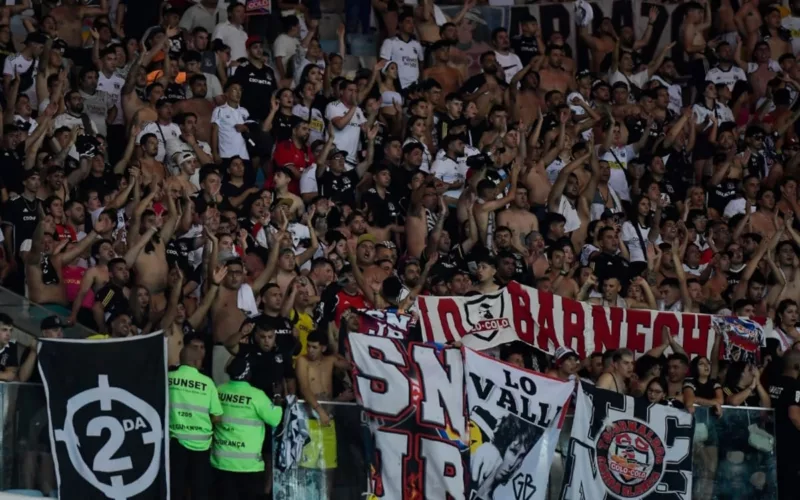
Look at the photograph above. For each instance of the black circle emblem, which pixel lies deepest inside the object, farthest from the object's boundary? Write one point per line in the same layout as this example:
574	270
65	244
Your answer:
630	458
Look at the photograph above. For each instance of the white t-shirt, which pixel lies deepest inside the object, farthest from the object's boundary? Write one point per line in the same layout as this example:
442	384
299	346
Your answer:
113	86
308	180
164	134
639	79
234	37
618	159
68	120
510	64
695	272
675	94
285	47
568	210
22	65
231	142
348	138
449	171
632	241
97	106
772	65
718	75
408	56
722	112
316	122
736	207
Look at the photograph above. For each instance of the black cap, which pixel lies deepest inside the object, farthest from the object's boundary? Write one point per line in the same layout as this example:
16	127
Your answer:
36	37
163	101
51	323
527	17
411	146
239	368
440	44
27	174
59	45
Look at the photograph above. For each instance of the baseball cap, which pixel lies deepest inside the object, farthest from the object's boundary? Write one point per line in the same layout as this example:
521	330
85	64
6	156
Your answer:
239	368
366	237
36	37
59	45
336	152
185	156
252	40
27	174
562	353
51	323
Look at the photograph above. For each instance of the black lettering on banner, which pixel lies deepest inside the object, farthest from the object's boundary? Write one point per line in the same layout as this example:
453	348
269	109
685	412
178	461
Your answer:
524	487
555	18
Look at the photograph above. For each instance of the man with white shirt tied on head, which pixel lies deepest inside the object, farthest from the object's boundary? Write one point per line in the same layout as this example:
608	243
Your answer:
508	61
405	50
347	119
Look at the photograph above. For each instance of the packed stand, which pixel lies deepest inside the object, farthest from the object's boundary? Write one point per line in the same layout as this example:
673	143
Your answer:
179	168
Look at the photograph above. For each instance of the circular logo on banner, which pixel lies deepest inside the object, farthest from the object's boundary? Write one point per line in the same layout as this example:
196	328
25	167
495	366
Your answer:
109	438
630	457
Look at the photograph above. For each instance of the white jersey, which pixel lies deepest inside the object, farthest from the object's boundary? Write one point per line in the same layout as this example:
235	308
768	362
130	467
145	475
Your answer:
701	114
231	142
618	159
19	65
729	77
348	138
408	56
113	86
792	23
450	171
510	64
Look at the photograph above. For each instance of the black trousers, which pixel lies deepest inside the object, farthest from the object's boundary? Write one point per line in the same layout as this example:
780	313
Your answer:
189	470
239	485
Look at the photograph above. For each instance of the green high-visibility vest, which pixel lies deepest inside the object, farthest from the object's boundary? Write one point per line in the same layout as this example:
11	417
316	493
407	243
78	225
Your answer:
239	438
192	400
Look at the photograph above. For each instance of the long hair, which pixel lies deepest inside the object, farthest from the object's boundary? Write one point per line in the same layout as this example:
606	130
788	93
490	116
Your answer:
633	212
782	307
512	428
694	370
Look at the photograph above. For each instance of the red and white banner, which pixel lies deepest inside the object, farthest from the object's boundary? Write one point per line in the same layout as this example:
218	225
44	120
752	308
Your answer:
548	321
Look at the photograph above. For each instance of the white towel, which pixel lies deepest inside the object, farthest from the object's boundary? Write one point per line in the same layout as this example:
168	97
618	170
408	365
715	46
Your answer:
246	301
293	435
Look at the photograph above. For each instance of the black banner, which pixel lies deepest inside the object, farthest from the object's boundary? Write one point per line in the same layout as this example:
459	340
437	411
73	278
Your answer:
108	407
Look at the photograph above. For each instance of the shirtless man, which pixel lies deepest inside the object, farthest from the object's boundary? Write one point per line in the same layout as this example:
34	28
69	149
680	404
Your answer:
600	44
786	262
421	206
487	203
442	71
151	265
200	107
558	273
45	260
518	216
315	378
778	37
486	89
523	92
181	183
552	74
136	110
98	275
429	17
152	169
619	375
69	18
695	22
748	22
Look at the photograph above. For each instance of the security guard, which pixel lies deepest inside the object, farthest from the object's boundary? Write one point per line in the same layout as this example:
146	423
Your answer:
236	453
193	407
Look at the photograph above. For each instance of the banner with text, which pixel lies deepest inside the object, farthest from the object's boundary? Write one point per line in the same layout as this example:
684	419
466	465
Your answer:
425	446
555	17
548	321
385	323
515	417
625	447
108	417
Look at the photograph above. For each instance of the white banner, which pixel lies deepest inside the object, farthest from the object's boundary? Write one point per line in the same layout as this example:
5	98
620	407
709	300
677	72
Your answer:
627	448
515	418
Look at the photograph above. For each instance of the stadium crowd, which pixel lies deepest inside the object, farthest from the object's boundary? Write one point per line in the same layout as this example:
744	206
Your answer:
181	167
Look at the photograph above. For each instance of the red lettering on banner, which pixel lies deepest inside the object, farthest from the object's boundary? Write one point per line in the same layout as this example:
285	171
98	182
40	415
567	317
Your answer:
696	346
574	325
606	335
636	340
448	308
521	310
547	332
668	320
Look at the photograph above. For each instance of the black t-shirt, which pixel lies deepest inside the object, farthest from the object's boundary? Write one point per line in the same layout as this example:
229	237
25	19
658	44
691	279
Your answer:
103	184
339	188
281	127
526	48
258	85
9	357
384	211
12	168
284	334
784	394
606	266
24	215
707	390
401	179
325	311
229	191
175	92
680	173
112	297
270	368
752	399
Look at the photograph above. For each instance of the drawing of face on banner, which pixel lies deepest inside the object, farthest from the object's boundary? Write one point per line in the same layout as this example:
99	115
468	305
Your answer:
515	418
